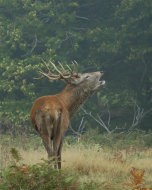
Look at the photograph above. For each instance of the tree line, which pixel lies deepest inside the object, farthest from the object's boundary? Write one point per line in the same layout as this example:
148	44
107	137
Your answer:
113	36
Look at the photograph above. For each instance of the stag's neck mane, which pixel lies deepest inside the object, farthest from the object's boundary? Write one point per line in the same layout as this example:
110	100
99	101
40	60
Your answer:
73	97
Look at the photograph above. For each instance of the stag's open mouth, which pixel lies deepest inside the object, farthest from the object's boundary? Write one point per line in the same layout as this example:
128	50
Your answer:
98	81
103	82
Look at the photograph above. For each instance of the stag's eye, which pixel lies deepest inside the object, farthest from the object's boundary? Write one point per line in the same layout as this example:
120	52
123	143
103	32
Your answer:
87	76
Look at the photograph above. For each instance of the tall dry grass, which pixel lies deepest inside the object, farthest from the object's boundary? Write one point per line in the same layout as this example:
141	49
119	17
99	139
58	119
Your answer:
93	164
105	166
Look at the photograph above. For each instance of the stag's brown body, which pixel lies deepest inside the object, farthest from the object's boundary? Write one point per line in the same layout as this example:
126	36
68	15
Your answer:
50	115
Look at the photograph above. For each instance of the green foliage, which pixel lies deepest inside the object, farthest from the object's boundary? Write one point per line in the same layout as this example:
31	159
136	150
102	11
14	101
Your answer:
36	177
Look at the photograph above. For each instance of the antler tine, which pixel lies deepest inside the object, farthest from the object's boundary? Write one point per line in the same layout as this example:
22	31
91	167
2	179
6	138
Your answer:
69	68
49	75
65	75
56	69
62	67
75	62
75	65
46	65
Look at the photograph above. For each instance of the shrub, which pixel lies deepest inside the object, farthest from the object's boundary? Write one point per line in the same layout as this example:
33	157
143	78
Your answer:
41	176
36	177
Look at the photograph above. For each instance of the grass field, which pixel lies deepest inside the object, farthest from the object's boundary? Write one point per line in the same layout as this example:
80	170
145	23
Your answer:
95	166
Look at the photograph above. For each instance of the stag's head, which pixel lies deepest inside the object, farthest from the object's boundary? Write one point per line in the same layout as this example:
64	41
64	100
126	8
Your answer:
89	81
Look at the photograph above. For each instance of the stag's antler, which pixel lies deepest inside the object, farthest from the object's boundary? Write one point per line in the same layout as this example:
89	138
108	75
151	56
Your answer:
60	72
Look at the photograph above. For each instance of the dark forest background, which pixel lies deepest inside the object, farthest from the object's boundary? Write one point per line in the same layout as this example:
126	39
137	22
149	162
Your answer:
114	36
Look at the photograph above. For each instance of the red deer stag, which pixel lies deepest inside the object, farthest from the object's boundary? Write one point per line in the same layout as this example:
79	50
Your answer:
50	115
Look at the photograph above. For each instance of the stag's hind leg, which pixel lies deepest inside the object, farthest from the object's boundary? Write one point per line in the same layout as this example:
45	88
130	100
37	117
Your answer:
45	127
61	127
59	154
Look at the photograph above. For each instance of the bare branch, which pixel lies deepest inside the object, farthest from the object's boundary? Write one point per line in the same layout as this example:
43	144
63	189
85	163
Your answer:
80	129
109	117
82	17
98	120
139	114
78	28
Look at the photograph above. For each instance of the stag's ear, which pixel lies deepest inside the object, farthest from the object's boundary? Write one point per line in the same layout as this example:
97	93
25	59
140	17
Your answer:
69	80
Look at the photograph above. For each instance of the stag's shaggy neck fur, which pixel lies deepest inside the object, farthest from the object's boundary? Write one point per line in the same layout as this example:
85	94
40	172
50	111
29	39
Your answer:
74	96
